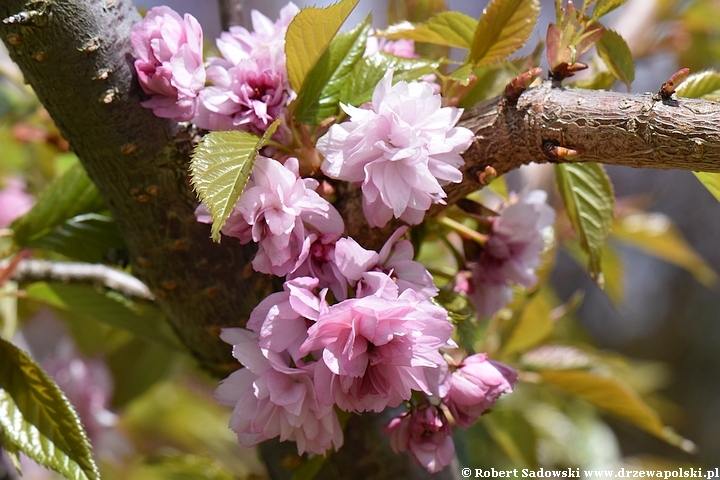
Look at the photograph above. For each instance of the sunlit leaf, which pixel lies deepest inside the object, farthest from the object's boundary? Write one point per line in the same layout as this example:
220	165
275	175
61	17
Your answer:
614	396
38	420
413	10
220	167
711	182
616	54
701	85
309	34
319	97
655	234
604	7
144	320
613	274
589	199
70	195
451	29
534	326
368	72
504	27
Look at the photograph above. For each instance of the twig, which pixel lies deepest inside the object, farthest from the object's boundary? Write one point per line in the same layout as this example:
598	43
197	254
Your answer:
33	270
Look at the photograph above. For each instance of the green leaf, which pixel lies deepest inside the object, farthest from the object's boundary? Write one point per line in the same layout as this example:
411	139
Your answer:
138	365
504	27
319	97
655	234
606	6
588	196
701	85
450	29
144	320
86	237
309	34
600	80
368	72
534	326
220	168
183	466
614	396
70	195
616	54
38	420
711	182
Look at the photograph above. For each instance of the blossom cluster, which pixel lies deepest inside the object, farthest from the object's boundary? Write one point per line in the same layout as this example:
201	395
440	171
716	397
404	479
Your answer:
353	330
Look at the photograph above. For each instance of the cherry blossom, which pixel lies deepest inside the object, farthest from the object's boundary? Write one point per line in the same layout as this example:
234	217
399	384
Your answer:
474	387
375	349
272	398
401	149
170	62
426	433
511	254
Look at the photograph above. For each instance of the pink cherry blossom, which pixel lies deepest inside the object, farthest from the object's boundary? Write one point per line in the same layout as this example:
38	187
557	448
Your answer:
426	433
88	385
271	399
170	62
14	201
400	48
248	96
474	387
374	349
401	149
395	259
317	259
511	254
277	210
250	87
239	43
281	320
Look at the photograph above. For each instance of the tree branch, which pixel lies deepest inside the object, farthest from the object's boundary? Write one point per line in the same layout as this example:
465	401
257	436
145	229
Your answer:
605	127
231	13
34	270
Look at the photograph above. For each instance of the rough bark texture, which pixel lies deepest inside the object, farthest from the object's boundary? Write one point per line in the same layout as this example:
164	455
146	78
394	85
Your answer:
76	55
78	59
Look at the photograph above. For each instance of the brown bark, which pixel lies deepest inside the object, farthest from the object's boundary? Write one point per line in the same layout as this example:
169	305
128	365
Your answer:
606	127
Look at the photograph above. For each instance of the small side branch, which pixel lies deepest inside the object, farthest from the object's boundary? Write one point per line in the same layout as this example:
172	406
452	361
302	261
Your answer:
33	270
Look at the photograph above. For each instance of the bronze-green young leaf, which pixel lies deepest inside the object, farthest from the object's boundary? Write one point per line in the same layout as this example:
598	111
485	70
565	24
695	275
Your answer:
450	29
38	420
309	34
220	168
590	202
504	27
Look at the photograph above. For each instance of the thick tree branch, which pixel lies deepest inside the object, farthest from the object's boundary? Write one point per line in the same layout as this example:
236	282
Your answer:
605	127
